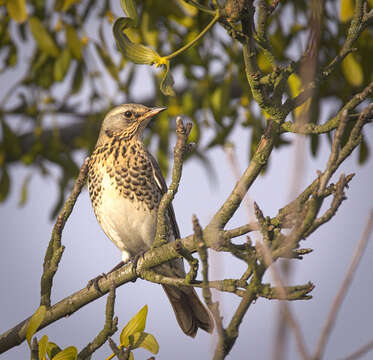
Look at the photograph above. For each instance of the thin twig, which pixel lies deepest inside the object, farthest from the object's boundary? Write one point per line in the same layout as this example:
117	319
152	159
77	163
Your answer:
334	154
109	329
268	260
336	305
206	292
180	150
55	249
360	352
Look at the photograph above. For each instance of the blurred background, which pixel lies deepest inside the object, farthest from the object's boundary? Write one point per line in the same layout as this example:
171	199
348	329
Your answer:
60	73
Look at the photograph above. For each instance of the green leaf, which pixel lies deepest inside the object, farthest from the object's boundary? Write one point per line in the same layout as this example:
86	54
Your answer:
61	66
137	53
131	357
78	79
129	8
17	10
35	322
24	190
295	85
146	341
52	349
363	152
4	184
70	353
167	82
347	10
42	37
73	42
42	346
136	324
109	64
352	70
68	3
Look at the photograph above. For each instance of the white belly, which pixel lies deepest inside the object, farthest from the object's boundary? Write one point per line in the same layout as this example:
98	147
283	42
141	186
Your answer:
127	223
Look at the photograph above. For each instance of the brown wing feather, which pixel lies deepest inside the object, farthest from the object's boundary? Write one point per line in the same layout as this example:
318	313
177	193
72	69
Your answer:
159	179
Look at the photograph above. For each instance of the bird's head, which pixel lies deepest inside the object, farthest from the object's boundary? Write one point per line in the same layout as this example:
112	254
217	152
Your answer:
127	121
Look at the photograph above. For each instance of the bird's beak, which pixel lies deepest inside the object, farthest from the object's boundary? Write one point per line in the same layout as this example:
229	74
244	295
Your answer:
153	111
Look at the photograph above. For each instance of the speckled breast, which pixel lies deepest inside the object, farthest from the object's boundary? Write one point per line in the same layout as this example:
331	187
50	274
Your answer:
124	194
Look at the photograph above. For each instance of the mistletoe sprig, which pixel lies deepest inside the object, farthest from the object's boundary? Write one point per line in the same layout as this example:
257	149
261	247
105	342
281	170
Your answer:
141	54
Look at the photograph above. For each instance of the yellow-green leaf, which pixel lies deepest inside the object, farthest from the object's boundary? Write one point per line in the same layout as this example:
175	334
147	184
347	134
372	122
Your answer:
108	62
264	64
70	353
347	10
35	322
42	347
136	324
146	341
4	184
17	10
352	70
295	85
73	42
24	190
62	65
137	53
131	357
68	3
129	8
167	82
52	349
42	37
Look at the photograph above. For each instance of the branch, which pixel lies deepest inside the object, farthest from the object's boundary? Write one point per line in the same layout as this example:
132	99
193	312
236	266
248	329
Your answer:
180	150
360	352
55	249
259	160
359	22
269	263
109	329
333	122
334	154
344	287
206	291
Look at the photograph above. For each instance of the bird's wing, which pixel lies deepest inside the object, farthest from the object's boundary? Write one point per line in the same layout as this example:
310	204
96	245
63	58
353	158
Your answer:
159	179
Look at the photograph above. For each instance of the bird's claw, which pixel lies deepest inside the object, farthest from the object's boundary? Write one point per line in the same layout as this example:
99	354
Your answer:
94	283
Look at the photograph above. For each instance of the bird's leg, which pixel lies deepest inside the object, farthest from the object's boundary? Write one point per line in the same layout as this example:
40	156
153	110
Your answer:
94	281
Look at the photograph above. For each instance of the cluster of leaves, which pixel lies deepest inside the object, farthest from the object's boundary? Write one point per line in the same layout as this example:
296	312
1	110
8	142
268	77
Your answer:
44	347
72	60
132	337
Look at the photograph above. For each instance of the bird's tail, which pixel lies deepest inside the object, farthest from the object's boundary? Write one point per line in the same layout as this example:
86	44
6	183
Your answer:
190	313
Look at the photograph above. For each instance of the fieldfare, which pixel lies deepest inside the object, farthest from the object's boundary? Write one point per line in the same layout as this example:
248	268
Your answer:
126	185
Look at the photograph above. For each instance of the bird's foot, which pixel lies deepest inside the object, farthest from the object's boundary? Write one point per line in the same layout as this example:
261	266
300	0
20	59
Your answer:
134	260
94	281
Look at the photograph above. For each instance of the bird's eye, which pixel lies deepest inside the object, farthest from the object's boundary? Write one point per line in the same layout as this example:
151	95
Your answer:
128	114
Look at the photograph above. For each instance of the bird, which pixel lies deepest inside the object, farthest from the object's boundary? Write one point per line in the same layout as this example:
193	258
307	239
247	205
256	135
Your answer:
125	186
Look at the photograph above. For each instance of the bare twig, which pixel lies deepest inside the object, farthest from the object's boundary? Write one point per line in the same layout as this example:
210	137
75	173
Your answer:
206	292
109	329
119	353
360	352
242	230
180	150
334	154
55	249
268	260
359	250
